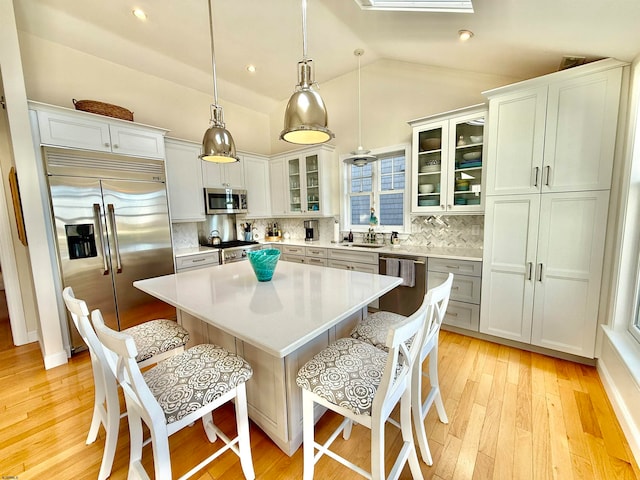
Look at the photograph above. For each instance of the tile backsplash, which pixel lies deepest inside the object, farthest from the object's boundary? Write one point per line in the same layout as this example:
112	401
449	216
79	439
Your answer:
462	231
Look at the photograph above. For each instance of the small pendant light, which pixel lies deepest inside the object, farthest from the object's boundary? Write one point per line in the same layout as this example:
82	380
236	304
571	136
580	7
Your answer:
217	145
359	157
305	119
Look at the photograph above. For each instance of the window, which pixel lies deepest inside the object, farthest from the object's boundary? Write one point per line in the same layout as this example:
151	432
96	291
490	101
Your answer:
379	185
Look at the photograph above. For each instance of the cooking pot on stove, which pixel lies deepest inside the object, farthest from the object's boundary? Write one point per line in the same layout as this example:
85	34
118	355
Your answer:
215	239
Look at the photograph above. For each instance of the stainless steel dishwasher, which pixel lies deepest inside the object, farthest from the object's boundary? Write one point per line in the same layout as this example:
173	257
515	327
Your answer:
403	299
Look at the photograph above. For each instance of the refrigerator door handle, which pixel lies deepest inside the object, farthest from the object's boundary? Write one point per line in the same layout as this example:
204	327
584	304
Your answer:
98	218
112	221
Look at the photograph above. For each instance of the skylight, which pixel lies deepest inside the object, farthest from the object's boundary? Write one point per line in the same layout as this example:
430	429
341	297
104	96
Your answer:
456	6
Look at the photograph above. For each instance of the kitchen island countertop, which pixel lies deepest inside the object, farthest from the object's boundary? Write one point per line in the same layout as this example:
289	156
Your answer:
279	316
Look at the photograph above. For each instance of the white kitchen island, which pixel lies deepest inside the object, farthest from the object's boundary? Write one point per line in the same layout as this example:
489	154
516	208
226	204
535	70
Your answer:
276	326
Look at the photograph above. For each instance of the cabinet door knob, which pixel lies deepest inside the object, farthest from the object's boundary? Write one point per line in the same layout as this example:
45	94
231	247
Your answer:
115	145
106	144
536	172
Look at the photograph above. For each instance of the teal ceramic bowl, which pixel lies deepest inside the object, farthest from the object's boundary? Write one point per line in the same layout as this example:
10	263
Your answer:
264	263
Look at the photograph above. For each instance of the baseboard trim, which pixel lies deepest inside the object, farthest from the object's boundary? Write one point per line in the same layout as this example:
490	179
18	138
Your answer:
55	360
613	376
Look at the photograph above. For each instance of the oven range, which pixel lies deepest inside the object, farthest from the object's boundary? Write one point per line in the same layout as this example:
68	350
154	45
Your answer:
234	250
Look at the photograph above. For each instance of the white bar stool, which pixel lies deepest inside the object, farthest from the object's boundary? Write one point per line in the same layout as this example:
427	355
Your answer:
174	394
364	384
373	329
155	340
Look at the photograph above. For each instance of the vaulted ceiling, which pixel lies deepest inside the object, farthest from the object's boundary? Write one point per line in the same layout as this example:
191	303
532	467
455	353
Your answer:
517	38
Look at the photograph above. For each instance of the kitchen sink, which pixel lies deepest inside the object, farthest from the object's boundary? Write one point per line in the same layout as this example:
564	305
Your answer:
363	245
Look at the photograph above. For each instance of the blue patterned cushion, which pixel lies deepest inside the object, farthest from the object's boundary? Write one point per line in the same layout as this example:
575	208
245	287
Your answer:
346	373
185	382
157	336
375	328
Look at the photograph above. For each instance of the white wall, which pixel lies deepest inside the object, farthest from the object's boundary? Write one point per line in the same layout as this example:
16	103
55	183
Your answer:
35	213
619	362
56	74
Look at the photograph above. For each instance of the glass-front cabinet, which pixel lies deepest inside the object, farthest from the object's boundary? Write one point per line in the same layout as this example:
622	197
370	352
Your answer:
447	162
309	181
304	184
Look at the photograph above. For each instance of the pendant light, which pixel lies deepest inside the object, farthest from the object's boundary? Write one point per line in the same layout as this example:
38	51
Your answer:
305	119
217	145
360	157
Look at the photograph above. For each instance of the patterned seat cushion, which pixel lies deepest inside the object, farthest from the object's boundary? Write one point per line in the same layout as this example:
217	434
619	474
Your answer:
375	327
157	336
346	373
185	382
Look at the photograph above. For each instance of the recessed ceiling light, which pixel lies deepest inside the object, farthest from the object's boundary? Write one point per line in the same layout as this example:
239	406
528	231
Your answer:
139	14
460	6
251	68
465	35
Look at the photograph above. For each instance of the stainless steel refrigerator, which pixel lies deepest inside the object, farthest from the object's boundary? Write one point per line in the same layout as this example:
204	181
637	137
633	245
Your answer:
112	228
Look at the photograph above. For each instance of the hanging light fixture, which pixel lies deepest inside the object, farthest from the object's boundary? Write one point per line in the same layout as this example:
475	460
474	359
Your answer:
359	157
305	119
217	145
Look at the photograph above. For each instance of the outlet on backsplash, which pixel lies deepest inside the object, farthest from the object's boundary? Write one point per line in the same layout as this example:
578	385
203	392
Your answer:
475	230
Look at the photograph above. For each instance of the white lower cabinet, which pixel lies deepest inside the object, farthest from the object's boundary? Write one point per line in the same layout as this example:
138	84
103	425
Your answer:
198	260
308	255
352	260
463	310
542	269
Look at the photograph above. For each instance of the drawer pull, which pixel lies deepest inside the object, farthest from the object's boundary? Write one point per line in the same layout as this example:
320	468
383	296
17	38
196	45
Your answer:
453	266
198	260
452	314
455	288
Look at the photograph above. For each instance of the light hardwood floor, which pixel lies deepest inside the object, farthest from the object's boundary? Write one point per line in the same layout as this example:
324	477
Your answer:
513	415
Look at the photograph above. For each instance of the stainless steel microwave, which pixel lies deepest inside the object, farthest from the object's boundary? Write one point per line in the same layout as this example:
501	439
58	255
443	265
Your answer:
225	200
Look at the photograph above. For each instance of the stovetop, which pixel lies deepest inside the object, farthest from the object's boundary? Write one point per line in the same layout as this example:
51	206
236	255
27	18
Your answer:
230	244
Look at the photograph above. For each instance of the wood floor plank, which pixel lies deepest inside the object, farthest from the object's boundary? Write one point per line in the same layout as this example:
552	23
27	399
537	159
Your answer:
469	448
513	414
503	467
560	454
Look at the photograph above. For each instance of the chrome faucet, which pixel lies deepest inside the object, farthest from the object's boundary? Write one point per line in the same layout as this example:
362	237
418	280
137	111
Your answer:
370	237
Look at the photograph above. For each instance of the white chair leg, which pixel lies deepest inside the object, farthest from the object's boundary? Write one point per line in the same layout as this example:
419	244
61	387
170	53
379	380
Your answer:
242	420
209	427
161	455
308	427
377	450
435	384
418	412
407	436
135	443
111	441
99	414
346	432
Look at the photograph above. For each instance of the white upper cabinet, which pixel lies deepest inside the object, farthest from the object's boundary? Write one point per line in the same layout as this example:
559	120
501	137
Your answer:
554	133
447	162
223	175
184	181
310	181
256	180
277	171
63	127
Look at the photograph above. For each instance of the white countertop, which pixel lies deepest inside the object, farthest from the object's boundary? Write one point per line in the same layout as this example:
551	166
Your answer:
279	316
474	254
183	252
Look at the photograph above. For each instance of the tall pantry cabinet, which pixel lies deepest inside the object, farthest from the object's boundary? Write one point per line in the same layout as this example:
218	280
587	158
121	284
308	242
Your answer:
550	147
